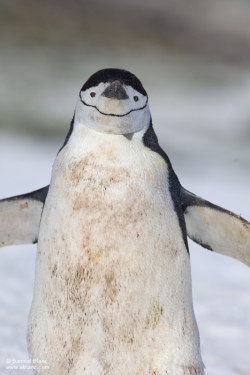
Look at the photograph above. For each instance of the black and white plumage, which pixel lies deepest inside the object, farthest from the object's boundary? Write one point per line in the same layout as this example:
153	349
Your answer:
112	291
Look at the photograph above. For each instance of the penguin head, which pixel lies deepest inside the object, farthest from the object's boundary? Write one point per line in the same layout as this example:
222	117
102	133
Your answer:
113	101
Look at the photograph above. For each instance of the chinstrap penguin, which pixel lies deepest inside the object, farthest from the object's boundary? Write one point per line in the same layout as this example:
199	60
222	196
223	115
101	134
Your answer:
112	292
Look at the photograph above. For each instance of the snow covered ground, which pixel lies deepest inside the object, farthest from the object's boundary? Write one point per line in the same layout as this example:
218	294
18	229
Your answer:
221	286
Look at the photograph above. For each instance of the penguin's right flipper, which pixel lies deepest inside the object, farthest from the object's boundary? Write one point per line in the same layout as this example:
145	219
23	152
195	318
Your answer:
20	217
215	228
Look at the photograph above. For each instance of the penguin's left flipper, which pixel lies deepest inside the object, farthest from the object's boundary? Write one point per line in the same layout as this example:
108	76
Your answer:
20	217
215	228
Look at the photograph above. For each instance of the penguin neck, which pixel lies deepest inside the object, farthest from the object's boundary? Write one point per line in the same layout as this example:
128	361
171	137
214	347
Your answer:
83	136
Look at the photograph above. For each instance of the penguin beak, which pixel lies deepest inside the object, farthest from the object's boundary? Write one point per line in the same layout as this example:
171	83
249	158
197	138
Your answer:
115	91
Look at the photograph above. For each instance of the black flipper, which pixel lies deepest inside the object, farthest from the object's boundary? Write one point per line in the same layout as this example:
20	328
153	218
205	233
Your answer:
20	217
215	228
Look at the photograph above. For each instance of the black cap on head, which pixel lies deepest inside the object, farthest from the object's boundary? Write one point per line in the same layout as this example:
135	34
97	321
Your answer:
109	75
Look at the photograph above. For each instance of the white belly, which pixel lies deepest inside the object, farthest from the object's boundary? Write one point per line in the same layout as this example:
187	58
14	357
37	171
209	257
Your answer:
113	289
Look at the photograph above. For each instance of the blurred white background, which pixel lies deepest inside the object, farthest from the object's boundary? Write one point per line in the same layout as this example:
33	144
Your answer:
194	61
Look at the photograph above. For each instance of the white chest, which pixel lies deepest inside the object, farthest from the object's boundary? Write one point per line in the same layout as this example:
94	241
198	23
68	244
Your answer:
113	276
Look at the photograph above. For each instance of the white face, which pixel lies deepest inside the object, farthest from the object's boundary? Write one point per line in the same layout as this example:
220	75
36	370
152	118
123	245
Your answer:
112	115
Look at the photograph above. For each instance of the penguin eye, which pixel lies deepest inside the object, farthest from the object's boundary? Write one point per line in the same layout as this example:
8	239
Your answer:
92	94
136	98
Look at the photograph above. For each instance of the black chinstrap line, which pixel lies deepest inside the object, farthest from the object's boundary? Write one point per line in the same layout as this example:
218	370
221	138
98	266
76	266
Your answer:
111	114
